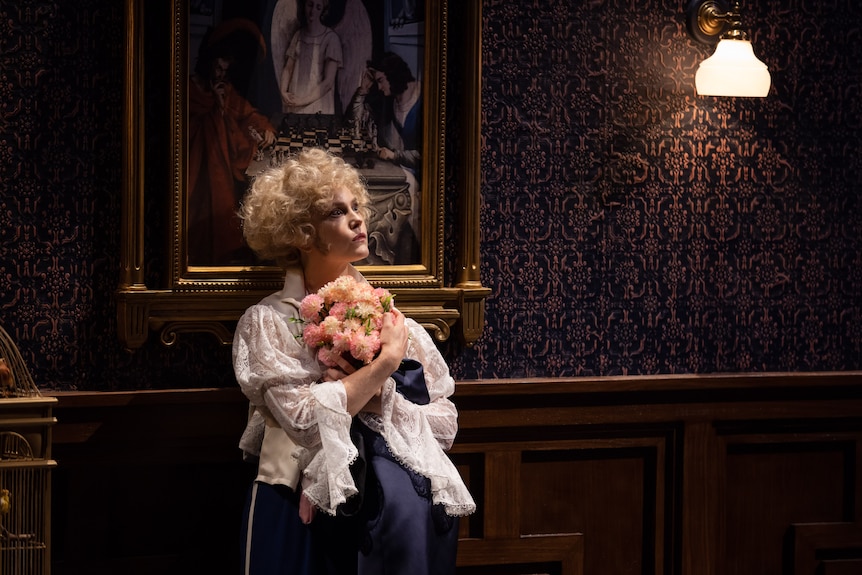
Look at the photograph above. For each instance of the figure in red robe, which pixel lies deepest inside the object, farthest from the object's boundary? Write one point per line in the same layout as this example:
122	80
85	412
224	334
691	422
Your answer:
224	132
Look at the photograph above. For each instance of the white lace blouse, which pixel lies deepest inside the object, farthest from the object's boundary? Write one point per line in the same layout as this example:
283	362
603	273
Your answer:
297	423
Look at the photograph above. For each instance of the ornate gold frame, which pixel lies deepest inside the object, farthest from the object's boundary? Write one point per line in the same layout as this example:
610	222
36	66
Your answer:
212	299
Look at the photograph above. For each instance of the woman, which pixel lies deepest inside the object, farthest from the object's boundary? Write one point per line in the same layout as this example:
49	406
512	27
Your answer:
309	510
312	61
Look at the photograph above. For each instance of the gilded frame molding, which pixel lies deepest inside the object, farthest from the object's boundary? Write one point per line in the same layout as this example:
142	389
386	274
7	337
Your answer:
210	300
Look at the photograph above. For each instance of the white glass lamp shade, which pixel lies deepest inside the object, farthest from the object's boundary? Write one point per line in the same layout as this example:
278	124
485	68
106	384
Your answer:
733	70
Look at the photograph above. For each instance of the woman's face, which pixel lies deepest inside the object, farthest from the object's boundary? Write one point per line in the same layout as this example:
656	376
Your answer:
314	9
341	231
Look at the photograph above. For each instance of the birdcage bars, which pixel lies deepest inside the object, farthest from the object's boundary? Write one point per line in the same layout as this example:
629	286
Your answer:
18	382
26	420
24	488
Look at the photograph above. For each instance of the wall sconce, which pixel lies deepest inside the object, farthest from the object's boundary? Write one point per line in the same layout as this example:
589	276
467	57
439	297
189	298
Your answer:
733	69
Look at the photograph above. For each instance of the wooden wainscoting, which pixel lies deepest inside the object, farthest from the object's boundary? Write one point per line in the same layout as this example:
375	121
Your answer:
751	474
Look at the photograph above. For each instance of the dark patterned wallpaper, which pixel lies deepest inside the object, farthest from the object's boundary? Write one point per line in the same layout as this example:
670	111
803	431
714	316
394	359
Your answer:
631	227
628	226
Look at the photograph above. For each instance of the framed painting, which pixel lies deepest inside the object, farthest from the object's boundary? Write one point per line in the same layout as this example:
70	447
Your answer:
253	82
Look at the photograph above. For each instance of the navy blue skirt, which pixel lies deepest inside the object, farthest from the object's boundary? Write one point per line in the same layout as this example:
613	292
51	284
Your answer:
393	529
274	540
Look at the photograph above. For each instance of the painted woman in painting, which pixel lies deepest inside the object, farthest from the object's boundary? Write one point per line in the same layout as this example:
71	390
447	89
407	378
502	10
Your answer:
318	50
312	61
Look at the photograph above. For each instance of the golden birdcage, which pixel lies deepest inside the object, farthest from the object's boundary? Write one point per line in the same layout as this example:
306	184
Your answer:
15	379
25	467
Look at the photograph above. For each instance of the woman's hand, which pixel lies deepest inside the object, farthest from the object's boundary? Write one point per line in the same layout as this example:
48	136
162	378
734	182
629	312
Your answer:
289	99
386	154
364	385
367	81
344	369
394	336
307	510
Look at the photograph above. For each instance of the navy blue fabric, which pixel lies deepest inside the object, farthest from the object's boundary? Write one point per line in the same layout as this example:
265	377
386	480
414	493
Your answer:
410	382
281	543
397	529
391	528
406	533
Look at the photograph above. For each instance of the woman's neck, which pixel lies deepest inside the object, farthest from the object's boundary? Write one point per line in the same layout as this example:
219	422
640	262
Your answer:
315	28
317	275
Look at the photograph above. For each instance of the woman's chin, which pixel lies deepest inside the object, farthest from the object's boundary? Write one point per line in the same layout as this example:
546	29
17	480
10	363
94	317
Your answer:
362	254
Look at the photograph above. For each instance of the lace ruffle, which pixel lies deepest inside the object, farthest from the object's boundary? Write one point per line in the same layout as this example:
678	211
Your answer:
326	480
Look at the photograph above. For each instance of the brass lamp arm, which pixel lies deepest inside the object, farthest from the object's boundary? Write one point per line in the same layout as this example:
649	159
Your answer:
712	20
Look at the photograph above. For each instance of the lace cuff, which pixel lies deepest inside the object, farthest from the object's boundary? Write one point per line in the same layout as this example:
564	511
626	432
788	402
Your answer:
412	442
326	480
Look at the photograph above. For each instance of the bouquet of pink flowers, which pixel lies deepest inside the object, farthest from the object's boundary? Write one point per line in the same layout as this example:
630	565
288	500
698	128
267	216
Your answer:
344	319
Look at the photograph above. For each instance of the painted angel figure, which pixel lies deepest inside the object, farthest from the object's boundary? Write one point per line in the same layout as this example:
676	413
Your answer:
318	56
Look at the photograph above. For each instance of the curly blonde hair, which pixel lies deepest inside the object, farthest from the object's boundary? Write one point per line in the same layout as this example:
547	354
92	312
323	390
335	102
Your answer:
279	208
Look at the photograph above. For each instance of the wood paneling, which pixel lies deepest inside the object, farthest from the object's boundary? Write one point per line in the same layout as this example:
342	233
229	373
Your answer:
537	555
826	548
696	475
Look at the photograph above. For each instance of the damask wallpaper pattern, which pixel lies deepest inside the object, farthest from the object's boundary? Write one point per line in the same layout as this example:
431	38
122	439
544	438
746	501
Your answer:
628	226
632	227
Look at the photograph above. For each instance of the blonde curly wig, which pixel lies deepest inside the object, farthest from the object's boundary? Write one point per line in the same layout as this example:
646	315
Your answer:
279	208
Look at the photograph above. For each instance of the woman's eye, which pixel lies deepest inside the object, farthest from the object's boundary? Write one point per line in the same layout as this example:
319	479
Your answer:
336	212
